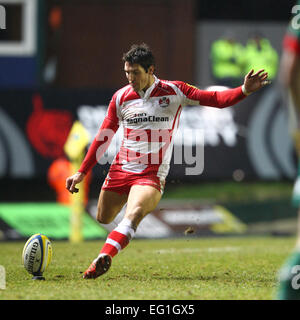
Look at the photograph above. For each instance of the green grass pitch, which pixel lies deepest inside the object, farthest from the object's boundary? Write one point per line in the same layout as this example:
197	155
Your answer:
227	268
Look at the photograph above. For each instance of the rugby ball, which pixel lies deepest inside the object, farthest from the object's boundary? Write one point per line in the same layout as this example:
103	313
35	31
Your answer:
37	254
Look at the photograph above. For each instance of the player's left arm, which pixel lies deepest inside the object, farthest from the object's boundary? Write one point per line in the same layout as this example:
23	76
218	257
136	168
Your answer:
222	99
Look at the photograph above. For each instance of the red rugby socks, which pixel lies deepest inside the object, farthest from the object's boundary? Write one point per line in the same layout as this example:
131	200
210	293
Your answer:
119	238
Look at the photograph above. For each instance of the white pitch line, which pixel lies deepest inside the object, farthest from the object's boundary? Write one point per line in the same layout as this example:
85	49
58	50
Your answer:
193	250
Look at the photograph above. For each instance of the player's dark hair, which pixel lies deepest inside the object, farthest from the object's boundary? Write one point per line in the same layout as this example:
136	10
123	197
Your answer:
140	54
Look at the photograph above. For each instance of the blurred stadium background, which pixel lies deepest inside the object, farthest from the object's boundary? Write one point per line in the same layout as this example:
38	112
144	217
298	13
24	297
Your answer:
60	63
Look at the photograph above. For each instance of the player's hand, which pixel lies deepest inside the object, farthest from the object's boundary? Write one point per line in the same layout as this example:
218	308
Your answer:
255	81
73	180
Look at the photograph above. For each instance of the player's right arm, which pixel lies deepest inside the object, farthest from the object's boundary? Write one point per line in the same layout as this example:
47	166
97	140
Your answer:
99	145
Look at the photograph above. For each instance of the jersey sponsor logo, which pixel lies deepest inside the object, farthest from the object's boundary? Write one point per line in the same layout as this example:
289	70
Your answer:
142	117
164	102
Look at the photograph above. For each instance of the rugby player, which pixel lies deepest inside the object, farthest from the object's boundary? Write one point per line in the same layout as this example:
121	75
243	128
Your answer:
149	110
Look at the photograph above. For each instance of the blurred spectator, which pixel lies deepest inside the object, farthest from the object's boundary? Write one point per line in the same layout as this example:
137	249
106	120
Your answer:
226	56
259	54
289	77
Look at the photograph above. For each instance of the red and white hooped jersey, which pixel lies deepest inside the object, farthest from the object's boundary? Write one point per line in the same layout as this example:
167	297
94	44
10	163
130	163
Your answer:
150	120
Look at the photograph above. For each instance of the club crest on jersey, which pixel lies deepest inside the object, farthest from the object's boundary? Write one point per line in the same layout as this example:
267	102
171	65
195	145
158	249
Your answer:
164	102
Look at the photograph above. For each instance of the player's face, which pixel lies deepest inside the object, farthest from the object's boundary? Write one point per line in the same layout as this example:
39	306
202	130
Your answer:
137	77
